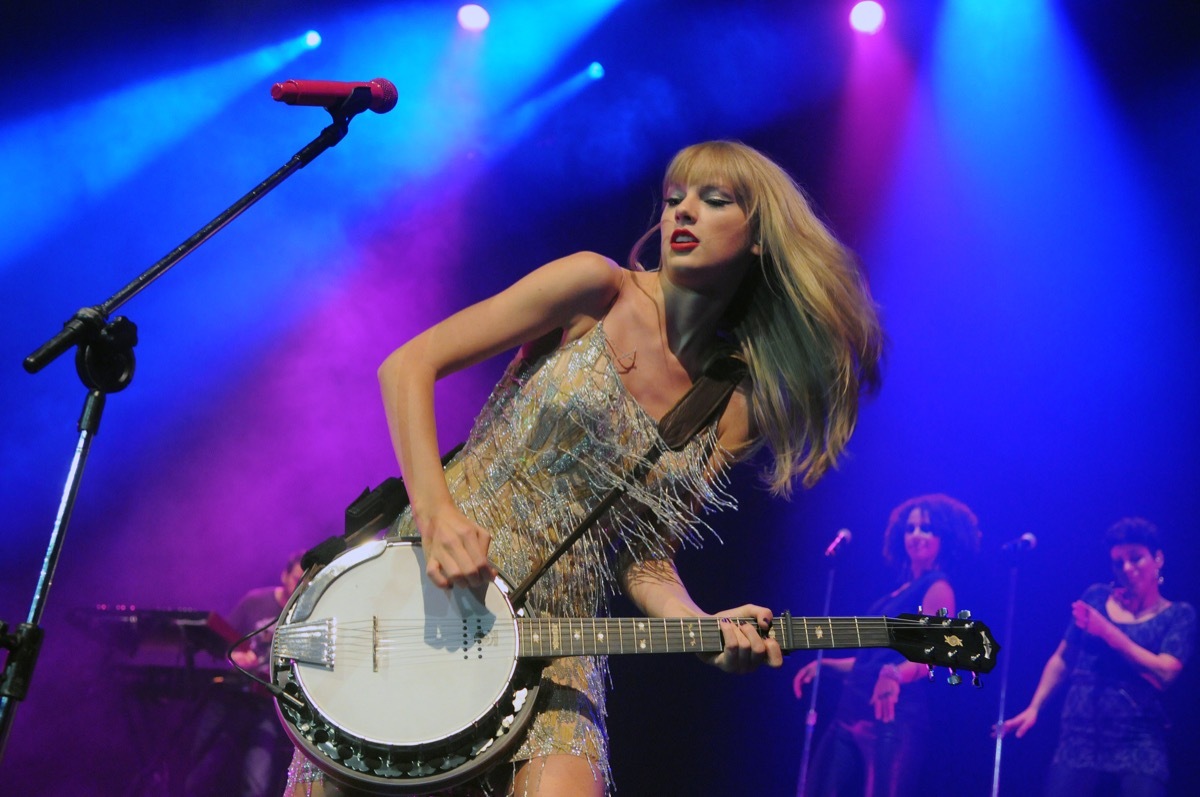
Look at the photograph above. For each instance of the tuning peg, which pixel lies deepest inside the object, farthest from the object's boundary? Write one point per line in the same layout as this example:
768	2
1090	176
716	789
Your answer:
965	614
942	612
975	681
954	678
931	673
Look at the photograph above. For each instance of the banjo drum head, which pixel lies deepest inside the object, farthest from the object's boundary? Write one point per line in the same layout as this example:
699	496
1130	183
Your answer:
413	664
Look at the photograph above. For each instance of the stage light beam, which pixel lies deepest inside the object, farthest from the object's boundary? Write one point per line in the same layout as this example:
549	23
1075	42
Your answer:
473	17
867	17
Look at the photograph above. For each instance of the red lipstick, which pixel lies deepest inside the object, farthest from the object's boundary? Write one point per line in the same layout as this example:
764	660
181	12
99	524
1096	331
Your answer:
683	241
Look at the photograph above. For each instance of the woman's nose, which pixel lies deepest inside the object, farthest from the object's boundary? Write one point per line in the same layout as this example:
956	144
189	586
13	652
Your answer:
685	210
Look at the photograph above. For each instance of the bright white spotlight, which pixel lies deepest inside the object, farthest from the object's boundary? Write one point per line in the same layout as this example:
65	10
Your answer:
595	70
312	39
473	17
867	17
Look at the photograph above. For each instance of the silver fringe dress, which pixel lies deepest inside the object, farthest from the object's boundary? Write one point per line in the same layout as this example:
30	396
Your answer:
554	437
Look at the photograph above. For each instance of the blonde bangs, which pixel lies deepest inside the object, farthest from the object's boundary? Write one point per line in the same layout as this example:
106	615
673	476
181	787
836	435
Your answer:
715	163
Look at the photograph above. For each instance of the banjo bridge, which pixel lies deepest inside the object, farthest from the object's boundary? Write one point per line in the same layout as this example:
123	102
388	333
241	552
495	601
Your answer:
308	643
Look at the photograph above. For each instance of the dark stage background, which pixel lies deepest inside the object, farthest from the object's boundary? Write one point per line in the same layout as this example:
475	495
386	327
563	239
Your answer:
1018	178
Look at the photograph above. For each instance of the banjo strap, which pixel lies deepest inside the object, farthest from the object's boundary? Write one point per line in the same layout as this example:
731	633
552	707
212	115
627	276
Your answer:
701	405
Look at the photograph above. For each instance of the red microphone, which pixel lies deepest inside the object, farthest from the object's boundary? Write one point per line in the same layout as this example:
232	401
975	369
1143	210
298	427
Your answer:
332	93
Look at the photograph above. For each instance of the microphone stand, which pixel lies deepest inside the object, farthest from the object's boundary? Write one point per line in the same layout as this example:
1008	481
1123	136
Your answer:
105	363
810	719
1008	631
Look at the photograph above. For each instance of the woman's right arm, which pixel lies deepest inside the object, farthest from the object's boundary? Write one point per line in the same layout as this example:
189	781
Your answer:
1053	674
568	294
809	671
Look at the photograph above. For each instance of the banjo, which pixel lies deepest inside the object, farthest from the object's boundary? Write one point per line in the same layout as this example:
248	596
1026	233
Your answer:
395	686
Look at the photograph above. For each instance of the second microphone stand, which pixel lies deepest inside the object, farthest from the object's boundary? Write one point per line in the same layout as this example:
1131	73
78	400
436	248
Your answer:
810	719
1010	613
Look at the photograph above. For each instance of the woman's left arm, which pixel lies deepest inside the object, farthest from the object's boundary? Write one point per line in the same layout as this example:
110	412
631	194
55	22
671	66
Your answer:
655	587
1160	669
892	677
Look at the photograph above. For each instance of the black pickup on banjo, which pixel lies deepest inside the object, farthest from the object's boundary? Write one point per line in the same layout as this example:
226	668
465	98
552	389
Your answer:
400	687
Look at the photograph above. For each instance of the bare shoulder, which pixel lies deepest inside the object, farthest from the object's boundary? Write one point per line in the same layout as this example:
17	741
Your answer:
589	283
587	271
939	595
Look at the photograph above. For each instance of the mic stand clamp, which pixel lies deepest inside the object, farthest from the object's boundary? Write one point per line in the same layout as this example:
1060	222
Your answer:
23	647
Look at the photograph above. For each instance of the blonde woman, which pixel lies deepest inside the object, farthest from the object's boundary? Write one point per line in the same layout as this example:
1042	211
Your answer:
745	268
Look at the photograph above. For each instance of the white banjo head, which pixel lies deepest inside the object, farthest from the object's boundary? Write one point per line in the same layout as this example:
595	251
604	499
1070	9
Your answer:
412	664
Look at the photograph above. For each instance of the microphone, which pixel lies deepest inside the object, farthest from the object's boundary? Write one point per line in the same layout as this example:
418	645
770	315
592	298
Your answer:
1023	544
332	93
843	536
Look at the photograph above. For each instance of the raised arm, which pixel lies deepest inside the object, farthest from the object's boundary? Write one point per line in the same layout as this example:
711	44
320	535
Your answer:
1160	669
569	295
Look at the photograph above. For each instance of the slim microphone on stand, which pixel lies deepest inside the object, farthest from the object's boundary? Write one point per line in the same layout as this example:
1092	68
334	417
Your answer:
843	537
1023	544
1014	551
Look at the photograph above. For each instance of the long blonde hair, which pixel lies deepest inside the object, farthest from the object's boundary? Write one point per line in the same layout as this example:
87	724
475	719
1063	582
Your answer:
804	321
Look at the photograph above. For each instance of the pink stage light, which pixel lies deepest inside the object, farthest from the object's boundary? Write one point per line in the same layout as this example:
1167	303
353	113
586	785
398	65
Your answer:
867	17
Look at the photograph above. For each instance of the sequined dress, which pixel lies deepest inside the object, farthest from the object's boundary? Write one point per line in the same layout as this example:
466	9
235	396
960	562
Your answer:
1113	720
554	437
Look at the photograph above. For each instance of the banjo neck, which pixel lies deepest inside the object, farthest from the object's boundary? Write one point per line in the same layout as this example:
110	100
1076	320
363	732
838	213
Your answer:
957	643
607	636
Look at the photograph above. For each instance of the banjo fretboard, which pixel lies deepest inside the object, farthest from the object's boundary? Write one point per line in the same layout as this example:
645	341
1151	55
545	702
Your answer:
550	637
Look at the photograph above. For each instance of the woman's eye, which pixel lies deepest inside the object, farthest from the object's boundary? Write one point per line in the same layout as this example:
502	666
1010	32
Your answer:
718	202
672	201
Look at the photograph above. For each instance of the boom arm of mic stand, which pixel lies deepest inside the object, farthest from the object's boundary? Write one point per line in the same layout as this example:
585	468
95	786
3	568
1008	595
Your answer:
105	364
90	320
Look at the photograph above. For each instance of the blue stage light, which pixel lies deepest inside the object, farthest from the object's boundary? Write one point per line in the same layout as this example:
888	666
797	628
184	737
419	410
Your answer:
312	39
473	17
595	70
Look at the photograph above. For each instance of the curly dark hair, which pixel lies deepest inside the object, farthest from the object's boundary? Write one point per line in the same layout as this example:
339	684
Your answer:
1133	531
951	520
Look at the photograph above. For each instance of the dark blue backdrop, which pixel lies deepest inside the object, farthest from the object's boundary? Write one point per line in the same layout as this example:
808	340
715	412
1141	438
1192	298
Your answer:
1018	180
